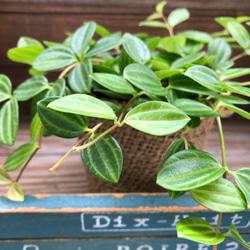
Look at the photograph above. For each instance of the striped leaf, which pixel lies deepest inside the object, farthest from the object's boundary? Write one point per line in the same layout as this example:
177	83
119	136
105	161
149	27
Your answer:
57	88
15	192
234	73
5	87
189	169
55	57
19	156
9	122
103	159
220	196
5	179
178	16
35	128
198	230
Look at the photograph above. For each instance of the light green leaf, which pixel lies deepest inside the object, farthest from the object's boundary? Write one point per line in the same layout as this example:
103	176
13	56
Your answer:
233	233
58	88
172	44
81	37
240	34
35	128
205	76
15	193
136	48
242	178
231	99
234	73
82	104
19	156
154	16
25	41
5	179
237	110
178	16
220	196
224	20
104	158
195	108
196	35
152	42
198	230
30	88
79	80
158	64
113	82
5	88
156	24
188	169
25	54
162	74
144	78
160	6
55	57
236	88
105	44
156	118
100	30
9	122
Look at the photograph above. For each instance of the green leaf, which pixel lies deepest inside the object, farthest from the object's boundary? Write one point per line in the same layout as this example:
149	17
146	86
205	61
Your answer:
236	89
175	194
220	196
156	118
195	122
205	76
25	41
156	24
186	84
198	230
25	54
237	110
152	42
58	88
61	124
160	6
195	108
196	35
233	233
242	178
178	16
83	104
136	48
162	74
224	20
5	88
239	33
19	156
105	44
9	122
5	179
55	57
158	64
144	78
104	158
172	44
124	60
113	82
234	73
35	128
189	169
15	193
30	88
79	80
231	99
81	37
100	30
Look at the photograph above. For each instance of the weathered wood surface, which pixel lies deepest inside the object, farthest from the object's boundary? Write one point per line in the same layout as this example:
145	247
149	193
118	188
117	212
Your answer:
70	176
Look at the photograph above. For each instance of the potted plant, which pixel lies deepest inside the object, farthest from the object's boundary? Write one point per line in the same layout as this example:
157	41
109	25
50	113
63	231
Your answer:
157	85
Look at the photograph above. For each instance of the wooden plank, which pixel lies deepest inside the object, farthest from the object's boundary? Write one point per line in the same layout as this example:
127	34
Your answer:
104	215
153	243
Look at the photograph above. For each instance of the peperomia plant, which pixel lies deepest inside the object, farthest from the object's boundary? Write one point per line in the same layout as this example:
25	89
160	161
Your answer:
167	83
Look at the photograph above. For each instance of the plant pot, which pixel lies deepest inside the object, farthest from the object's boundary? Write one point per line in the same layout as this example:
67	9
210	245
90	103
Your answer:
142	156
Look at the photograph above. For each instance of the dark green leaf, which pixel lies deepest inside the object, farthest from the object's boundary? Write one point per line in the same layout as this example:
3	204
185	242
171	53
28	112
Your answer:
15	193
61	124
5	88
19	156
83	104
144	78
103	159
9	122
194	122
156	118
104	69
136	48
79	80
188	169
175	194
31	88
5	179
55	57
81	37
58	88
124	60
104	44
178	16
198	230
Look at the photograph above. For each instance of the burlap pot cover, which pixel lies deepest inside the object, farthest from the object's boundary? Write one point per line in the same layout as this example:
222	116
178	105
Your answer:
142	156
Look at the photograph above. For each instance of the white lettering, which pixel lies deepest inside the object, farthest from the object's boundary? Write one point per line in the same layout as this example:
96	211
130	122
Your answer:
148	247
30	247
164	247
118	220
232	245
101	218
202	247
236	219
141	222
215	220
177	219
123	248
181	246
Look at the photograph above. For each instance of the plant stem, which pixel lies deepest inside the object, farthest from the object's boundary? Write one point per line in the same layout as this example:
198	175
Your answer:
238	56
66	70
244	84
170	29
97	60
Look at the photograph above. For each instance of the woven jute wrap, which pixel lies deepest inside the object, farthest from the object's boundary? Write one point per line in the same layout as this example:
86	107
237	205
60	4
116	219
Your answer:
142	156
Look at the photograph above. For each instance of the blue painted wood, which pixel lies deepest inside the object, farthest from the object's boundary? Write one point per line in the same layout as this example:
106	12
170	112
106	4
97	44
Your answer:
73	216
118	244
